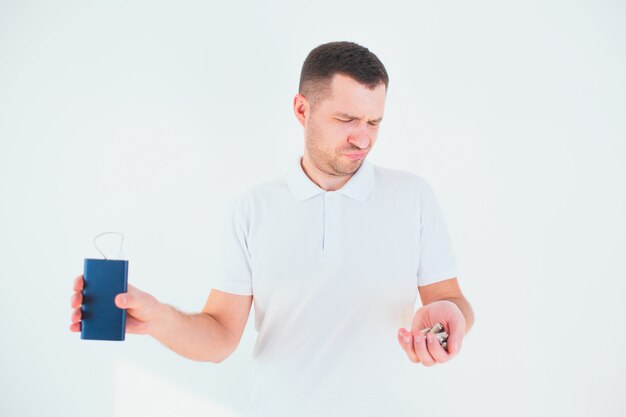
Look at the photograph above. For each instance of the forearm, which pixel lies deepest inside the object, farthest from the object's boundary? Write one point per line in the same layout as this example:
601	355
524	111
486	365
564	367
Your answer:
195	336
466	309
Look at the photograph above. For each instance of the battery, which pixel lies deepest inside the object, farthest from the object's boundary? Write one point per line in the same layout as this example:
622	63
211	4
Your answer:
101	318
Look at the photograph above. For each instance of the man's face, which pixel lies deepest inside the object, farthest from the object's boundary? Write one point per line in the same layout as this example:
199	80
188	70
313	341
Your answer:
342	128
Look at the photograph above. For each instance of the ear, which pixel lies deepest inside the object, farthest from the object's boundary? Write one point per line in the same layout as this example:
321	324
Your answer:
301	109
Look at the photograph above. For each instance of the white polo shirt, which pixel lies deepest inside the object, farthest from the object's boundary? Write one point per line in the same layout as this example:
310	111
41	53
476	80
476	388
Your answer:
334	275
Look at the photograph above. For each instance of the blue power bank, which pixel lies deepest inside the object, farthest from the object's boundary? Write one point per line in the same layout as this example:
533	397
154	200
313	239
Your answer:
101	318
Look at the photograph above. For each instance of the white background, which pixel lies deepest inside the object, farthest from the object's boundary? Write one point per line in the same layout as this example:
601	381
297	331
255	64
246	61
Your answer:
147	117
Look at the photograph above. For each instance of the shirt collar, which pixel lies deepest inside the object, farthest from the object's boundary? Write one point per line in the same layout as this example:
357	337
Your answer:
358	186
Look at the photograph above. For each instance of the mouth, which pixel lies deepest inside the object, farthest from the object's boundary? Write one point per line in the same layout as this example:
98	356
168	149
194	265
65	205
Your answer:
355	156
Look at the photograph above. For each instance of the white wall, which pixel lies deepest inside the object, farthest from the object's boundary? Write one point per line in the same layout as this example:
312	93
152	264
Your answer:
147	117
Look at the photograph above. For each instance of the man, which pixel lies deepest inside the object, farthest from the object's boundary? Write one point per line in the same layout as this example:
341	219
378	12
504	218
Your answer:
333	254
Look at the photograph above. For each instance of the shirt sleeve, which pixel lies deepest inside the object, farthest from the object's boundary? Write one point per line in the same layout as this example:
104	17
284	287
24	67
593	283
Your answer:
234	272
437	258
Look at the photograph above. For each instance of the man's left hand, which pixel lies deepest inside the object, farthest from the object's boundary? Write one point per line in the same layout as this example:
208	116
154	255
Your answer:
425	349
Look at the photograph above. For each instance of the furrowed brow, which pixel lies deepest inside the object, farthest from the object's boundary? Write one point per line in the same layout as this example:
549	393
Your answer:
349	116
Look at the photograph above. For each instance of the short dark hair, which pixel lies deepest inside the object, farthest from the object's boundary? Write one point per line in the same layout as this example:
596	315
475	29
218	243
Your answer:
347	58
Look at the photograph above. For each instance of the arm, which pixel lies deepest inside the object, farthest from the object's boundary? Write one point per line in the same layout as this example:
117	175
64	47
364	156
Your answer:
211	335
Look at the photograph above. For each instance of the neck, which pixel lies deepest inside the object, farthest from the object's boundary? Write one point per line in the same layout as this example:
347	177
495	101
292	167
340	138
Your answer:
323	180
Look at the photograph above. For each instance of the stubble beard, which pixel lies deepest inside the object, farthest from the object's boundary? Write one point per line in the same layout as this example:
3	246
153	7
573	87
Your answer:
326	160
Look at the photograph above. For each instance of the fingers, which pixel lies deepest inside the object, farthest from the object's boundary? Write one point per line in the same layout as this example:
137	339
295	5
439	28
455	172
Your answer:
454	345
406	342
457	333
77	297
79	283
437	352
141	307
76	300
76	315
421	350
424	349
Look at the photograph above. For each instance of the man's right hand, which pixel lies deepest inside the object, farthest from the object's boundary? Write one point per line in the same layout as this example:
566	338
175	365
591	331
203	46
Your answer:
211	335
141	308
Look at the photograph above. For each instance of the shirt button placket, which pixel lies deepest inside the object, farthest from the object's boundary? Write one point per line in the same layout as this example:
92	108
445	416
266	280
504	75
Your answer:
328	221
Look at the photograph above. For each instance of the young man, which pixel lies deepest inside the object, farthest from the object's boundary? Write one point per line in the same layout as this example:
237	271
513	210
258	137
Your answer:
333	253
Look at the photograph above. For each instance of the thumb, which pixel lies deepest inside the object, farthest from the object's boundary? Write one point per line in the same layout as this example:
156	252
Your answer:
122	300
131	299
139	304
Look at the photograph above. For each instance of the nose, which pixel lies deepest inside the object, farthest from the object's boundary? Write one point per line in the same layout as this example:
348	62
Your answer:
359	137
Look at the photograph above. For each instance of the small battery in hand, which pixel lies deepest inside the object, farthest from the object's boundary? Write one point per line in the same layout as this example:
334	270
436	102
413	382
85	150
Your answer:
101	318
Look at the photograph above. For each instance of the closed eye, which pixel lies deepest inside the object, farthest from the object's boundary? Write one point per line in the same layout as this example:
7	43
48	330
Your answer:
372	123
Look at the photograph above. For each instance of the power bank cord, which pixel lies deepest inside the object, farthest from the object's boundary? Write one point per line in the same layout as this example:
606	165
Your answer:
120	253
